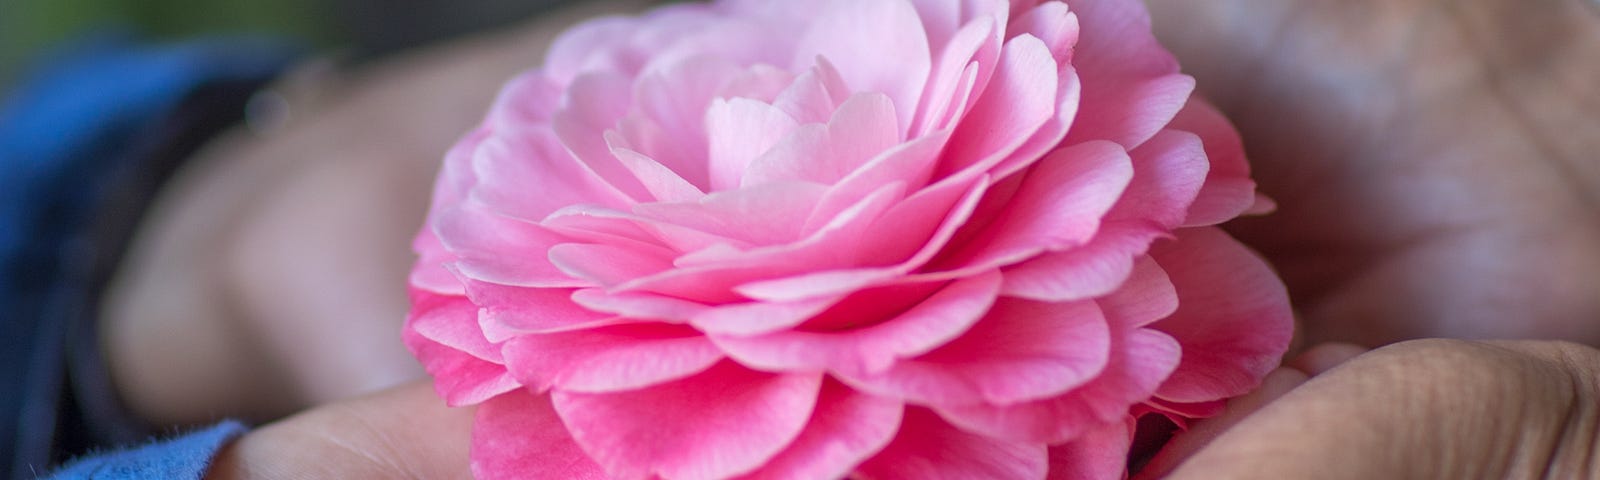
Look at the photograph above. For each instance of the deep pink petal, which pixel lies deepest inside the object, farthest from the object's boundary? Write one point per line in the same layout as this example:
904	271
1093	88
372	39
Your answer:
1089	271
1146	296
1169	170
723	422
1020	351
1128	112
609	359
926	323
1057	206
1228	191
638	305
927	447
452	321
1018	101
504	311
893	30
1233	319
846	428
518	436
1140	360
459	377
1101	453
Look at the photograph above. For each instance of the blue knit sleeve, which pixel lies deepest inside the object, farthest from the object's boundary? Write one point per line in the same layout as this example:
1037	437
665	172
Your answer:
181	458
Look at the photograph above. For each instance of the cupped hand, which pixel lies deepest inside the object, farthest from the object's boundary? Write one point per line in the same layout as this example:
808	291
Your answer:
1436	164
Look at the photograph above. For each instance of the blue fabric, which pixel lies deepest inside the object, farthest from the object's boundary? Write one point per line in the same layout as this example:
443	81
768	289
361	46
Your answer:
182	458
71	133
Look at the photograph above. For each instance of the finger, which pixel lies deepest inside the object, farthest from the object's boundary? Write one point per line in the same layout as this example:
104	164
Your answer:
1202	432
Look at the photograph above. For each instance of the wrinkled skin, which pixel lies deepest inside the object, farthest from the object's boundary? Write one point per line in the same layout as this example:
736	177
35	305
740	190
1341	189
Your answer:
1436	164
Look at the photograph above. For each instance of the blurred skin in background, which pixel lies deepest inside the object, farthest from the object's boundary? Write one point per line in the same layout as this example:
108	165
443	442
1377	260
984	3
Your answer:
1434	162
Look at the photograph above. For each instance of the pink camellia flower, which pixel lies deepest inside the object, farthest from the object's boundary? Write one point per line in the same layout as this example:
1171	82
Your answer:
817	239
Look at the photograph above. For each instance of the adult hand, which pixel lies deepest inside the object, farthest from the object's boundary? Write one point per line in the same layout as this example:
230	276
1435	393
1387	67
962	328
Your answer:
1427	409
1436	164
406	432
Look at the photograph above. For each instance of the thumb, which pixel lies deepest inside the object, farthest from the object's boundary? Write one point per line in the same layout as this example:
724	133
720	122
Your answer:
1441	409
404	432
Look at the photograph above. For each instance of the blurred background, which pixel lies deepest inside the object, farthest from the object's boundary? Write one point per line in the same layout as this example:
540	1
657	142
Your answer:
359	29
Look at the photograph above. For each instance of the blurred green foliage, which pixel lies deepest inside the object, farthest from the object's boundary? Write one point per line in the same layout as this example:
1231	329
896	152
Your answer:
28	27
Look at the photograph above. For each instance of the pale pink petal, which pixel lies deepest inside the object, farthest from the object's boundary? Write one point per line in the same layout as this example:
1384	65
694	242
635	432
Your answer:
1053	23
501	250
1089	271
1020	351
893	30
1057	206
774	213
740	130
528	99
518	436
1101	453
663	184
1168	172
723	422
1116	41
846	428
842	339
1016	103
1140	360
861	129
675	99
910	164
609	265
1233	318
595	103
927	447
429	273
814	95
760	82
1049	135
609	359
969	55
578	49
